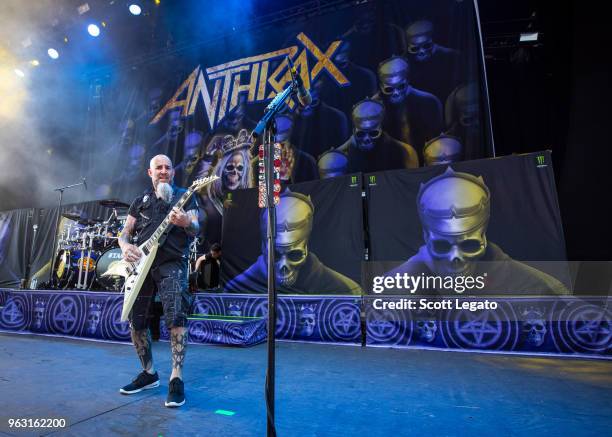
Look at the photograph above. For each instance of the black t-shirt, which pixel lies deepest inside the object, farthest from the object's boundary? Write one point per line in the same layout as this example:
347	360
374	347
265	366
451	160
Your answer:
149	212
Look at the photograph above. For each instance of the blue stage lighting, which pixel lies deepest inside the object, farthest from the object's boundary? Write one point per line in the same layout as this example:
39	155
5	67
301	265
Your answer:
93	30
135	9
53	54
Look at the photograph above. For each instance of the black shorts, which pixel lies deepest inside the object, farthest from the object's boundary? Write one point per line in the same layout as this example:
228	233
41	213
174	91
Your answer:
169	281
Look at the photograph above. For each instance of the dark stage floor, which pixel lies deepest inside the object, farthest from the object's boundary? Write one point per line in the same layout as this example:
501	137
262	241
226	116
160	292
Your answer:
321	390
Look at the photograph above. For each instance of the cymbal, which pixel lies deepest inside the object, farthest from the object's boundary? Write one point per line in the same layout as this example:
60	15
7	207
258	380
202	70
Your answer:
90	222
113	203
72	216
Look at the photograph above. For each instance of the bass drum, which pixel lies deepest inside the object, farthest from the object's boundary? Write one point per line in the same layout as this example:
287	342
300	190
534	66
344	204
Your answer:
63	270
111	283
67	266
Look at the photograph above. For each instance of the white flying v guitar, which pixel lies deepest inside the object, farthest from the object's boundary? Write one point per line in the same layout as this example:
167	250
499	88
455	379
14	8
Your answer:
136	272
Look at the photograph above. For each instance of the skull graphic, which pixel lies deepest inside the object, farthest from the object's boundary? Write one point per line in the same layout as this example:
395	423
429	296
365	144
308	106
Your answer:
307	320
367	118
332	163
39	312
284	126
426	330
342	57
294	215
234	309
462	108
443	149
454	209
233	171
419	40
393	80
233	122
534	327
93	317
175	124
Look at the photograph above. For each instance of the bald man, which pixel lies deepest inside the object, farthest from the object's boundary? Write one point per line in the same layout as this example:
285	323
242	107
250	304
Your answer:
167	277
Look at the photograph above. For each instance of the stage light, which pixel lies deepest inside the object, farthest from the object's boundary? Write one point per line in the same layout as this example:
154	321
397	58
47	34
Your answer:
157	2
34	63
19	73
53	54
93	30
135	9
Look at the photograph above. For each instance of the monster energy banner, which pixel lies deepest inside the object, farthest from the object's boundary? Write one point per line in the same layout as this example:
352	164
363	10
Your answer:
499	217
319	239
394	85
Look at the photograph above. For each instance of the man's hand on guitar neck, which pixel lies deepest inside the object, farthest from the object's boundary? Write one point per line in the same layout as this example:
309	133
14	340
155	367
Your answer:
179	218
186	220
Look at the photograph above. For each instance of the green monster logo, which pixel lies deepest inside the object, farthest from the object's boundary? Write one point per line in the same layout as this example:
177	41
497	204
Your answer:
372	180
540	160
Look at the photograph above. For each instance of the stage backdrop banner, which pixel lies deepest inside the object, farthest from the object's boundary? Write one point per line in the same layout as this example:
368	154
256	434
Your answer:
319	239
395	84
498	213
14	246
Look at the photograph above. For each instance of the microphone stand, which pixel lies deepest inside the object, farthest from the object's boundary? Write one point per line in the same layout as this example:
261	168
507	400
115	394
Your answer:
265	126
57	223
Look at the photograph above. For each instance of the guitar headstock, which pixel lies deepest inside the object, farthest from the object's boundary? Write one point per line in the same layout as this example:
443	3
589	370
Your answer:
200	183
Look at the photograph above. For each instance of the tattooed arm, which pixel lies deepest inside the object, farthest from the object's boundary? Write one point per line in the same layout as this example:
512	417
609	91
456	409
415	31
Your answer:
130	252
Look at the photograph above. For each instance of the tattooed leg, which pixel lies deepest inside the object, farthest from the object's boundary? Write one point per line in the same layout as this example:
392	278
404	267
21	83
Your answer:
178	343
142	343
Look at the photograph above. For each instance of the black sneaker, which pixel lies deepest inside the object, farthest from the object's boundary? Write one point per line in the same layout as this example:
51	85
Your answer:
176	393
143	381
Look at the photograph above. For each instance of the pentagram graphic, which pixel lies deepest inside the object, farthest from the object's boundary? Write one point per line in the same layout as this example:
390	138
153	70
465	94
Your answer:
13	314
208	305
117	330
197	331
64	314
387	327
483	329
584	327
341	321
285	321
479	330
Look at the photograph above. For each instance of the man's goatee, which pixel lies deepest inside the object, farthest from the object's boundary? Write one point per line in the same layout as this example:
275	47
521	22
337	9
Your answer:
164	191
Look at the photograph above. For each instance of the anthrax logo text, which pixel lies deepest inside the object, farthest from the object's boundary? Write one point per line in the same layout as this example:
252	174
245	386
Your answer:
226	81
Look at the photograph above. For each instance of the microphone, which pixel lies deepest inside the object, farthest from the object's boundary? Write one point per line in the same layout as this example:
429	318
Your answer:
85	183
303	94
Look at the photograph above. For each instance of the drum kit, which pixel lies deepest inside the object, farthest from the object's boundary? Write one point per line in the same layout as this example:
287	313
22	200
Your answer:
87	248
